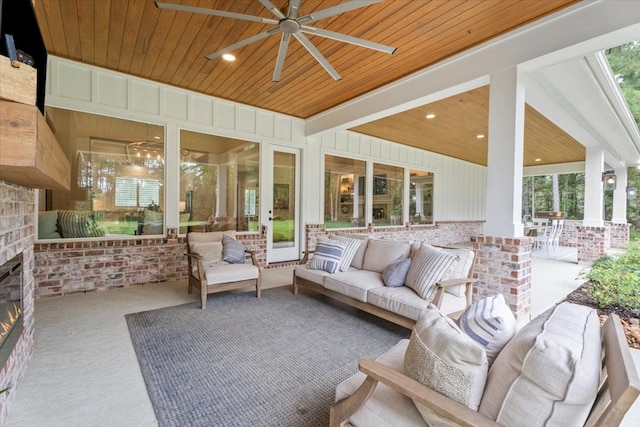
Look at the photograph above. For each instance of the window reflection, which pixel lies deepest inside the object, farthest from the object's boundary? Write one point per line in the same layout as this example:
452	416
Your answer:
218	183
420	197
344	193
119	185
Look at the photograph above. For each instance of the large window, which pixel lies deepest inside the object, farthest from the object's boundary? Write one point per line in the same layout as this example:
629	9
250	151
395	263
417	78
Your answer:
344	192
388	188
117	185
420	197
218	183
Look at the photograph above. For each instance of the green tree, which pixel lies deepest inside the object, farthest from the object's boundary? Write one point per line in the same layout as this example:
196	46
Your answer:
625	64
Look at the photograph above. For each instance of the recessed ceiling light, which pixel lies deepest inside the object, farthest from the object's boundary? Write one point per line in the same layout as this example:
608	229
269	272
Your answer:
480	136
156	137
229	57
538	160
430	116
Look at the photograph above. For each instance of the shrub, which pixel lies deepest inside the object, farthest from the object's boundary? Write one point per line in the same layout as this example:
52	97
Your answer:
615	281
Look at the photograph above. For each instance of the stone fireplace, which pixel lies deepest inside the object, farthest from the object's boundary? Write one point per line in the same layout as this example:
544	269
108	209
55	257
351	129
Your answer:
17	205
11	321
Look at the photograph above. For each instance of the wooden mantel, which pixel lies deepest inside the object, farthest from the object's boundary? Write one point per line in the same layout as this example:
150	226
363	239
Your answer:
29	152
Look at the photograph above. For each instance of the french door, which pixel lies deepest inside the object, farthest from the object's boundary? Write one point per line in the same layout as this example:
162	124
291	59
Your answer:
283	231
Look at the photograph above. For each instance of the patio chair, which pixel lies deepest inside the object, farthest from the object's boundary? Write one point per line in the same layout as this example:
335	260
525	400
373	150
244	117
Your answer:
555	241
544	237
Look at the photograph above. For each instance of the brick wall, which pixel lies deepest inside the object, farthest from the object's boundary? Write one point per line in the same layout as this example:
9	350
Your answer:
593	243
17	206
64	268
503	266
443	233
620	235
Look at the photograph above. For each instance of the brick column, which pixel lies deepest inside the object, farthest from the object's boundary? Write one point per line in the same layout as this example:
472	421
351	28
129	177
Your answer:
620	235
593	243
504	266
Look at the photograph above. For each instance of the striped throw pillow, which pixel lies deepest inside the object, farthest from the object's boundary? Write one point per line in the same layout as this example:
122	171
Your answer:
349	252
489	322
75	224
328	255
428	266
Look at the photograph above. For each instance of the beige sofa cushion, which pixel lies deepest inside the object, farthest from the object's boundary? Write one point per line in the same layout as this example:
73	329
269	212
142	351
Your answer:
381	253
445	359
549	372
428	266
354	283
312	275
385	407
211	252
401	300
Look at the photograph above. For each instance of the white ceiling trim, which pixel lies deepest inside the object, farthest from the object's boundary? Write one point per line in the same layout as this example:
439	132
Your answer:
575	31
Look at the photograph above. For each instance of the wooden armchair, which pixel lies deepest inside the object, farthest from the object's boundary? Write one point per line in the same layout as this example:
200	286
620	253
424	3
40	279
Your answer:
210	274
619	388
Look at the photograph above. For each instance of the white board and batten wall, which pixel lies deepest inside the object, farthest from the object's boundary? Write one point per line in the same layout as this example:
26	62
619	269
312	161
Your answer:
460	187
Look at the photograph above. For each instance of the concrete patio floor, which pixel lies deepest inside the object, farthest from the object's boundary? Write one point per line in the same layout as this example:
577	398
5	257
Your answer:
84	371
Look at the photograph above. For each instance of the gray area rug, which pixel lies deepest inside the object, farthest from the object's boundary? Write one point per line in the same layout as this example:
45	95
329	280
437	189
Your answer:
273	361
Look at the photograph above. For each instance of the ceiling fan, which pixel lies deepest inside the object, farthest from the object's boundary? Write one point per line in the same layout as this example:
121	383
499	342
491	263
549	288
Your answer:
291	24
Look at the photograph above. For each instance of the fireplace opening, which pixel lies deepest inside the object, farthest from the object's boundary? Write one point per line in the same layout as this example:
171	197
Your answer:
11	322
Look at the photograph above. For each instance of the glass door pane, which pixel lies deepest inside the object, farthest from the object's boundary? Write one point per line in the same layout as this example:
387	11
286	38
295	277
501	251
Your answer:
284	245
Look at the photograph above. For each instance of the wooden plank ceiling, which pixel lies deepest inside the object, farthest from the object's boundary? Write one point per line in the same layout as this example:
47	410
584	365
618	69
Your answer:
136	38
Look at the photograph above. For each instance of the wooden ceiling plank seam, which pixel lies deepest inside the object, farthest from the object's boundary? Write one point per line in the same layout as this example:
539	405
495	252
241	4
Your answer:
117	23
85	26
69	13
213	42
143	40
135	10
58	36
171	45
157	41
45	28
101	17
197	22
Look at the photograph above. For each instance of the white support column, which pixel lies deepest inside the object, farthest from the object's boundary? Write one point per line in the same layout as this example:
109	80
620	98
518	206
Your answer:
506	140
171	186
620	197
593	189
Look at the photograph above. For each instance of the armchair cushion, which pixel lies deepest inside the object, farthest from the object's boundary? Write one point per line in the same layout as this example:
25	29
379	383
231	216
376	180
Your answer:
491	323
211	252
328	255
445	359
428	266
232	250
549	372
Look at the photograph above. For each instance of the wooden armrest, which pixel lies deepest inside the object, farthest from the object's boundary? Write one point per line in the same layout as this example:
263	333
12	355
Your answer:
305	258
446	407
196	256
453	282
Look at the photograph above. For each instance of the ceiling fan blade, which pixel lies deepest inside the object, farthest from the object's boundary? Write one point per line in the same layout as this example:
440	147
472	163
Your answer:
294	9
317	55
273	9
347	39
213	12
242	43
335	10
282	53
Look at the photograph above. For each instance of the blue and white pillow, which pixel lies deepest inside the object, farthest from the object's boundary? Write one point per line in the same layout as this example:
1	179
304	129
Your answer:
349	252
232	250
396	272
328	255
429	265
489	322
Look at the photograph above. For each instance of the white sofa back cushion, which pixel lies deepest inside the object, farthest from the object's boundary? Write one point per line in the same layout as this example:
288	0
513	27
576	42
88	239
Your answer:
381	253
461	269
444	358
548	374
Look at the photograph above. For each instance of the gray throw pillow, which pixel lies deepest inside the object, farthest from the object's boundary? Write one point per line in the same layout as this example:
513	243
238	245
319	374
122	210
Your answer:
232	250
396	272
